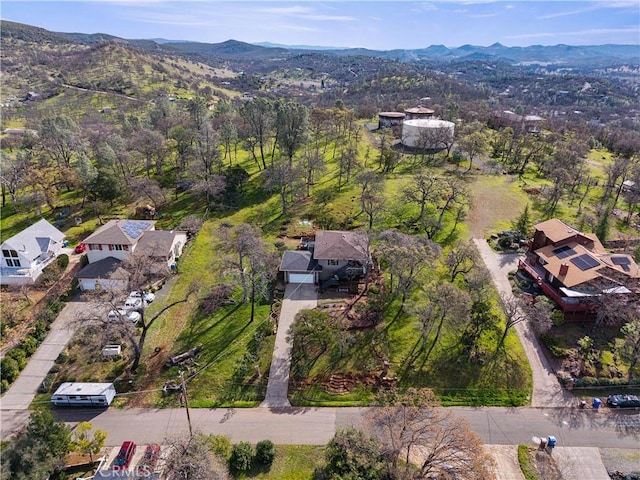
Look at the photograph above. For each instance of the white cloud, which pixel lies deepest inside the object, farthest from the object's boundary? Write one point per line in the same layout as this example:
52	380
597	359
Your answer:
483	15
589	32
592	6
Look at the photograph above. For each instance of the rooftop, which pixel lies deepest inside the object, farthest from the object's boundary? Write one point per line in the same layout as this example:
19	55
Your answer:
342	245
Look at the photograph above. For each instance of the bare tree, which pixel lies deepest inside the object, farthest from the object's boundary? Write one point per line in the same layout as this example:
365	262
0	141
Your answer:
406	257
473	141
192	458
415	432
284	179
252	259
150	189
292	125
60	139
424	190
312	163
446	304
455	192
461	260
13	173
151	145
257	114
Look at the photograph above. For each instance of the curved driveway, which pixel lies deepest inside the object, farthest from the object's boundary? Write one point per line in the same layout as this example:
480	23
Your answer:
547	391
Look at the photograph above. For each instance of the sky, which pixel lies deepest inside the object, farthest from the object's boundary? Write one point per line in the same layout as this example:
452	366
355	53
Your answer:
379	25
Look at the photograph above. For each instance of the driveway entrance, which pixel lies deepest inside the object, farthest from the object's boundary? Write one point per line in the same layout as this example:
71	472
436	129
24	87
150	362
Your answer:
297	296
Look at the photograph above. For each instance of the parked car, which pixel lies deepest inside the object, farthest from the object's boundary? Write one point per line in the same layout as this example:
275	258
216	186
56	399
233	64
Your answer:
623	401
80	248
133	303
130	315
127	450
147	296
147	464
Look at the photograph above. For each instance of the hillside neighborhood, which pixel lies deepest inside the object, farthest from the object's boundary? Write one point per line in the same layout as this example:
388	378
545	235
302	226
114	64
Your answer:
235	261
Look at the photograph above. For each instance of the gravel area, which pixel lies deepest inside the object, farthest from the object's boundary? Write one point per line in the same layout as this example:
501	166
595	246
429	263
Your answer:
621	460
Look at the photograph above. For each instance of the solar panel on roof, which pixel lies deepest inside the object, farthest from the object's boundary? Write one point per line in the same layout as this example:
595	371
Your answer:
585	262
620	260
134	229
564	251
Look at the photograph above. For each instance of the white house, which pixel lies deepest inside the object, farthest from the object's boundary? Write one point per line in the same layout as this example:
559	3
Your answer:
25	255
116	241
71	394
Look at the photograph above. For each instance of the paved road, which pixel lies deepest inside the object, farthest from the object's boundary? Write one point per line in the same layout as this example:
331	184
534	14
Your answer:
296	297
547	391
316	426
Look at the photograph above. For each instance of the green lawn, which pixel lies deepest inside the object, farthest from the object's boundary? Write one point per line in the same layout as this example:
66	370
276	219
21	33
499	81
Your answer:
292	462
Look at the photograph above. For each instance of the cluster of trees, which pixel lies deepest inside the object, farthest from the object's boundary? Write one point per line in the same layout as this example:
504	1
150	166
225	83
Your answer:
41	449
212	457
447	297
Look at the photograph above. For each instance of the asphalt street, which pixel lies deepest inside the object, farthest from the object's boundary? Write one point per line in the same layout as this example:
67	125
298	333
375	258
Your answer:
316	426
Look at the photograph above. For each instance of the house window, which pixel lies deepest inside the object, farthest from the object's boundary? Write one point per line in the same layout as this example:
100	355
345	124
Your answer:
117	247
94	246
10	253
333	262
12	262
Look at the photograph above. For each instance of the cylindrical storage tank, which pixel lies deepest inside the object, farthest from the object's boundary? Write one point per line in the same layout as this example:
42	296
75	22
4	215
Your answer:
418	112
427	133
390	119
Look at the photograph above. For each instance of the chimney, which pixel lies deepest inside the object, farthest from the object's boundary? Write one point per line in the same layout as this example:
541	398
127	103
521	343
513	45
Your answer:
564	268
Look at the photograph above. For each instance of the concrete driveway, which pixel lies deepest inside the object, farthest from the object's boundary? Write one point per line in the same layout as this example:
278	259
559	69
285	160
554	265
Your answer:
297	296
15	401
547	391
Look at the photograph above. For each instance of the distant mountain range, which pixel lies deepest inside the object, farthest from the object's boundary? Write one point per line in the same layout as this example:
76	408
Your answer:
557	55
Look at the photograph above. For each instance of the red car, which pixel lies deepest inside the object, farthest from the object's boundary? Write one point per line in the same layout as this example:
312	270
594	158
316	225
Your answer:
150	459
80	248
127	450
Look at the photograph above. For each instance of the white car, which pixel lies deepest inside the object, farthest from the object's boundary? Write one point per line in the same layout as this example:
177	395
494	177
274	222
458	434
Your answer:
133	303
147	296
130	315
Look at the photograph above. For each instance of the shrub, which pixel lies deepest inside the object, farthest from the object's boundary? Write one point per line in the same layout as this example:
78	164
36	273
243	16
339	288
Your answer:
62	358
9	369
220	445
29	345
63	261
19	355
241	455
4	386
265	452
40	330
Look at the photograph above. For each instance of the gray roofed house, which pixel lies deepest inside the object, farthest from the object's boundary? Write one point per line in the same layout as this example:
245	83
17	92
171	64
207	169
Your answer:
25	255
299	266
341	245
340	254
106	274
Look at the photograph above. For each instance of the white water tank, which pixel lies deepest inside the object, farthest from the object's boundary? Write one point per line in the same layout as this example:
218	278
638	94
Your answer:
427	133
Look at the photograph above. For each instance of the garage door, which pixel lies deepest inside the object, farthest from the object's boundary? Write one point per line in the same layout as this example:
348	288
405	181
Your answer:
301	278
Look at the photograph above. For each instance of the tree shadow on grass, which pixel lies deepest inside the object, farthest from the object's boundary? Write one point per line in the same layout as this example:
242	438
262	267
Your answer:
193	333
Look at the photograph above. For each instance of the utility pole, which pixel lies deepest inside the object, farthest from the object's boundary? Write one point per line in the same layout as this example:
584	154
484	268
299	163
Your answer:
186	402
